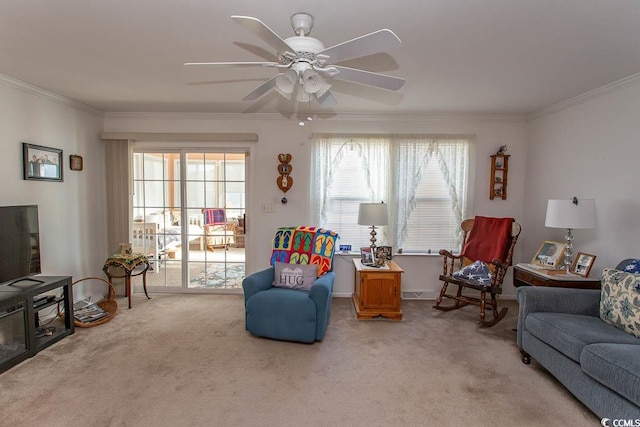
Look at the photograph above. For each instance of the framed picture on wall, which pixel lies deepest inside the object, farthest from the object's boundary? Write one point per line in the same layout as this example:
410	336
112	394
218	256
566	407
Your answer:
75	162
41	163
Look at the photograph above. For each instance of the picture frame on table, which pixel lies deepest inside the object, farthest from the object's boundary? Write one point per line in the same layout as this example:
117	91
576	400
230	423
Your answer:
549	255
366	257
42	163
582	264
386	251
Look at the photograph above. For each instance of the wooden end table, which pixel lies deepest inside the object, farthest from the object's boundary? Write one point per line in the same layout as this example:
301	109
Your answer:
378	291
128	264
528	275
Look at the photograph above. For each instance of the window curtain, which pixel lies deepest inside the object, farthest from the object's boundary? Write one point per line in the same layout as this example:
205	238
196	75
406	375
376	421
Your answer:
369	171
411	154
118	155
393	167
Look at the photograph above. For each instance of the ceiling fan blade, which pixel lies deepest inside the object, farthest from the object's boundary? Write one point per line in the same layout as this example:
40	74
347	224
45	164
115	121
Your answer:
378	41
258	28
368	78
327	100
262	89
235	64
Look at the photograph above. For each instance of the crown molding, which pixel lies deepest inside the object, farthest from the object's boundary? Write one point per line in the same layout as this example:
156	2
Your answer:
177	136
48	95
435	117
427	117
588	96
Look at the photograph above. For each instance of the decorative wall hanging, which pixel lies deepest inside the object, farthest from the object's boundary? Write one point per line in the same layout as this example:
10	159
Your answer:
75	162
499	172
284	181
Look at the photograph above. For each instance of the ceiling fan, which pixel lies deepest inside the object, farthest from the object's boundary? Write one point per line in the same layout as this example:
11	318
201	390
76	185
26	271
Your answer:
303	61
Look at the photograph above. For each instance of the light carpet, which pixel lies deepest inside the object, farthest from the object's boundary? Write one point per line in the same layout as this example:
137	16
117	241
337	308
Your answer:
187	360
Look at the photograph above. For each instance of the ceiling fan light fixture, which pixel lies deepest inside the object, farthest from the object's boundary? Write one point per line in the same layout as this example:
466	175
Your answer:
312	82
284	94
324	87
308	63
302	95
286	82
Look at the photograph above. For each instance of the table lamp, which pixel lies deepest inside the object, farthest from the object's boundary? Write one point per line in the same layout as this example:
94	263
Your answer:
373	215
571	214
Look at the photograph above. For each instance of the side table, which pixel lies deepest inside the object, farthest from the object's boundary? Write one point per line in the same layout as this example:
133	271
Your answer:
527	275
128	264
378	291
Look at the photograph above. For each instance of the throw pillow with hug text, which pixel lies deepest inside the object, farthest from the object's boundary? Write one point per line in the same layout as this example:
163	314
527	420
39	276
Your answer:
294	276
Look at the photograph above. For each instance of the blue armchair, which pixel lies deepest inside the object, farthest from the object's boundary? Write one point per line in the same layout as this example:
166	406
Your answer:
292	314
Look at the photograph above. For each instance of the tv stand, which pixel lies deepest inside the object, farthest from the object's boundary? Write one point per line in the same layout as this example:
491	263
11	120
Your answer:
25	279
39	337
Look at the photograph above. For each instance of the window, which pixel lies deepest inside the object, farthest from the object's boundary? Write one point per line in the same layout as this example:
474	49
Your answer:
423	179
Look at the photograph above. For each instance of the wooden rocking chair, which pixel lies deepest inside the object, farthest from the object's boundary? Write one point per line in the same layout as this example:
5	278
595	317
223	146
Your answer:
491	241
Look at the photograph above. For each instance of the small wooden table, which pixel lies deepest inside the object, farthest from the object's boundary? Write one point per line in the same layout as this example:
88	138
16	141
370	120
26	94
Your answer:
378	291
128	265
528	275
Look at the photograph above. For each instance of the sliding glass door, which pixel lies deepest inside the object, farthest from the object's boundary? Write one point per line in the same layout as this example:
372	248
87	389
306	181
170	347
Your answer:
189	218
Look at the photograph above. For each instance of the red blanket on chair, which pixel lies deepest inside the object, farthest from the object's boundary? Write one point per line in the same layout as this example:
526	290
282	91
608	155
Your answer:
488	239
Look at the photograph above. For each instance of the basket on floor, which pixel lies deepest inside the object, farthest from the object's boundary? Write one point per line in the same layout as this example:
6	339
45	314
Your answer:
107	303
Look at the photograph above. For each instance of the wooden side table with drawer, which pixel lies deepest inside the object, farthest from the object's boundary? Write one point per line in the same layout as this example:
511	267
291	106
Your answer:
527	275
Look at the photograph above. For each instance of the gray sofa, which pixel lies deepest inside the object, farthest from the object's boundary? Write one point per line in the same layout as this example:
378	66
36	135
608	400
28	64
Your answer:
600	364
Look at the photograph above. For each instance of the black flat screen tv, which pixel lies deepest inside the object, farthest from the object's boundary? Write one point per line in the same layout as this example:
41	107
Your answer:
19	243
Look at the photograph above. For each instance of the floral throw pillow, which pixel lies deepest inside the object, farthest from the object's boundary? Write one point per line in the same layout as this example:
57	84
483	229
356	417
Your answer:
477	273
633	266
620	300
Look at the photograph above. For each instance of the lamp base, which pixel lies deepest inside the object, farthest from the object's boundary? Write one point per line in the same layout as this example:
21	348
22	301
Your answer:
373	239
568	251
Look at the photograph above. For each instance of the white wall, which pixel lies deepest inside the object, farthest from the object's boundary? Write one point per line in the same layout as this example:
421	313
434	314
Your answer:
278	135
589	149
71	213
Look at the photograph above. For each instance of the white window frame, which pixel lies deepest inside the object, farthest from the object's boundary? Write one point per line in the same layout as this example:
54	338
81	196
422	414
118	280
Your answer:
406	157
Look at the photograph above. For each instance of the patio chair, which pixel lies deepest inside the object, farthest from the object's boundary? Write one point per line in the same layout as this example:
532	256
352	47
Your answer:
218	232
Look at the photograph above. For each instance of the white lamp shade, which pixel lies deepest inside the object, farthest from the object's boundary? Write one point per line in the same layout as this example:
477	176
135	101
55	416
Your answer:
285	83
373	214
312	81
302	95
566	214
323	89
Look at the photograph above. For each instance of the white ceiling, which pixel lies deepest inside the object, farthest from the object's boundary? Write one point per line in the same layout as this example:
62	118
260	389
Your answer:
457	56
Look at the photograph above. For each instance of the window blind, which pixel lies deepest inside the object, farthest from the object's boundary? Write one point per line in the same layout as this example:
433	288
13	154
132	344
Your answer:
423	179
